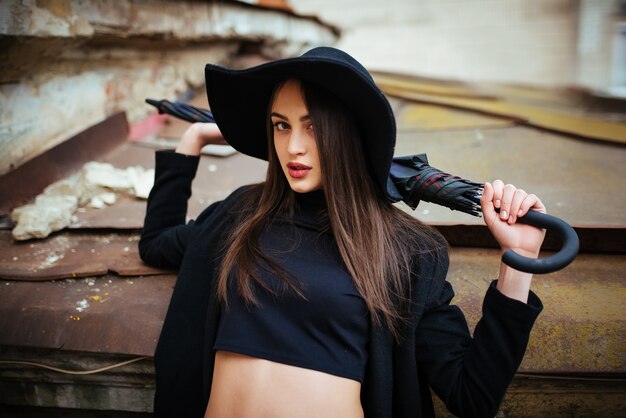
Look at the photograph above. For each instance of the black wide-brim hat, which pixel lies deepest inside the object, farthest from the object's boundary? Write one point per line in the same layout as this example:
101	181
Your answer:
239	100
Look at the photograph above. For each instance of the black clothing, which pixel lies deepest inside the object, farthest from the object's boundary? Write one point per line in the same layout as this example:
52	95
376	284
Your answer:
469	374
328	331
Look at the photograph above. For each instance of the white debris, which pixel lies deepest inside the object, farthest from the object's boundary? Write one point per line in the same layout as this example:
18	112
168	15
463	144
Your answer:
108	198
142	180
95	186
52	258
81	305
46	215
103	174
96	203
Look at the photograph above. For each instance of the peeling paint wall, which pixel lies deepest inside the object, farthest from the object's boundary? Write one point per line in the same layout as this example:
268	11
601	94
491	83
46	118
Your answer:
66	65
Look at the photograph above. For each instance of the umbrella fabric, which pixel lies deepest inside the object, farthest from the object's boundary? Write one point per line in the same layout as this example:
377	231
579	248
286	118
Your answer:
415	180
182	110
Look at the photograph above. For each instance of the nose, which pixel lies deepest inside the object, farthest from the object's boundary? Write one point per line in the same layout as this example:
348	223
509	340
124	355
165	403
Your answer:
297	142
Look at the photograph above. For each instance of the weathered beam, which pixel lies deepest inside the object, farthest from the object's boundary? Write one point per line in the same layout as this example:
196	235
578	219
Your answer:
25	182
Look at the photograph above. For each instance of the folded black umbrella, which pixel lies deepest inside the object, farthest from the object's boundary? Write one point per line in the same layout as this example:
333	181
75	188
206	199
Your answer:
182	110
412	179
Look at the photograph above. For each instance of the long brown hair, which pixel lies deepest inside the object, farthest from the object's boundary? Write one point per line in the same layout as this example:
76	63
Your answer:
377	241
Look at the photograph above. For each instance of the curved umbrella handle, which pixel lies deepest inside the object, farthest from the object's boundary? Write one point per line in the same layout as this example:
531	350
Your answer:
566	254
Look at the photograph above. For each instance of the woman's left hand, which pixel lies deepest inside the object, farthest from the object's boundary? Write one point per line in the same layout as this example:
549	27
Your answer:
513	203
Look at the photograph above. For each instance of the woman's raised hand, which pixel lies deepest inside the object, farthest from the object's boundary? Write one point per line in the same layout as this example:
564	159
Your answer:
197	136
513	203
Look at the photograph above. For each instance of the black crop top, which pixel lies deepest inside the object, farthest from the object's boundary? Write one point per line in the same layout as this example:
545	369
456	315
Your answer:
329	331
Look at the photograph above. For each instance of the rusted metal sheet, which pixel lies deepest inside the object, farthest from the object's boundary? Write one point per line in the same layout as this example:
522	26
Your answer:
69	255
19	186
126	213
107	314
598	239
558	397
582	328
582	324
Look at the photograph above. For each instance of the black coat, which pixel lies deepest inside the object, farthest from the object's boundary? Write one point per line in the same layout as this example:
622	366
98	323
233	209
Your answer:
469	374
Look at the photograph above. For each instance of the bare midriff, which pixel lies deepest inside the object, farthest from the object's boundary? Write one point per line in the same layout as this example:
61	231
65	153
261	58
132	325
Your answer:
245	386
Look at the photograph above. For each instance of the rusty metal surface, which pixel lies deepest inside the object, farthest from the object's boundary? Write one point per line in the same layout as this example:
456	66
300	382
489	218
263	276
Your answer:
69	255
583	326
598	239
97	315
22	184
558	397
127	213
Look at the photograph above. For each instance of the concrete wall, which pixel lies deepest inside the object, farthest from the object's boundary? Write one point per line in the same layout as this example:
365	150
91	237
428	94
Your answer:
523	41
601	59
68	64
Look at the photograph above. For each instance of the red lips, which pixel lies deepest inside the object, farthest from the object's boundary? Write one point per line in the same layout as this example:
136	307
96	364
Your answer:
297	170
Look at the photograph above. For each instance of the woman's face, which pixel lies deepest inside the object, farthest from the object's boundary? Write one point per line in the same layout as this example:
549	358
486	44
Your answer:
294	139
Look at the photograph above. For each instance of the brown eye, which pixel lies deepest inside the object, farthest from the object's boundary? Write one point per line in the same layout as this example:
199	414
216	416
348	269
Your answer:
281	126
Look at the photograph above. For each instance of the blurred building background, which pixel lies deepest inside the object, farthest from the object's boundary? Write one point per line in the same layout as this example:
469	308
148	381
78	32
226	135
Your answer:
540	42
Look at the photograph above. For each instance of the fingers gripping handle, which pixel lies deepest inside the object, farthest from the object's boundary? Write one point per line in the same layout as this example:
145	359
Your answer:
556	262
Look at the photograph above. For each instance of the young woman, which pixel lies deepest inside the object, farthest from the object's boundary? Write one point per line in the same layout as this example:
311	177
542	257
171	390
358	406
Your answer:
310	294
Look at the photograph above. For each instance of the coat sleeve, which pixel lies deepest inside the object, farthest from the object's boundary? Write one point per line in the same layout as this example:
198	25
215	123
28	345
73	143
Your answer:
164	236
471	375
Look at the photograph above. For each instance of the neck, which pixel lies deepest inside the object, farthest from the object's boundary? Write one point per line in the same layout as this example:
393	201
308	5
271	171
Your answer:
311	208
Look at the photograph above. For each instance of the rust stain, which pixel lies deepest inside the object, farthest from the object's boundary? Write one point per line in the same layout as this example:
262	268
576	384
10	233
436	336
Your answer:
71	255
583	325
64	314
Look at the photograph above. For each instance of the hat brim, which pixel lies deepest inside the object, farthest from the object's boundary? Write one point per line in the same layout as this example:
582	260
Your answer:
239	99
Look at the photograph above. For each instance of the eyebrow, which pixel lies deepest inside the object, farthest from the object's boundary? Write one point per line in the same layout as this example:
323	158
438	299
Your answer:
278	115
